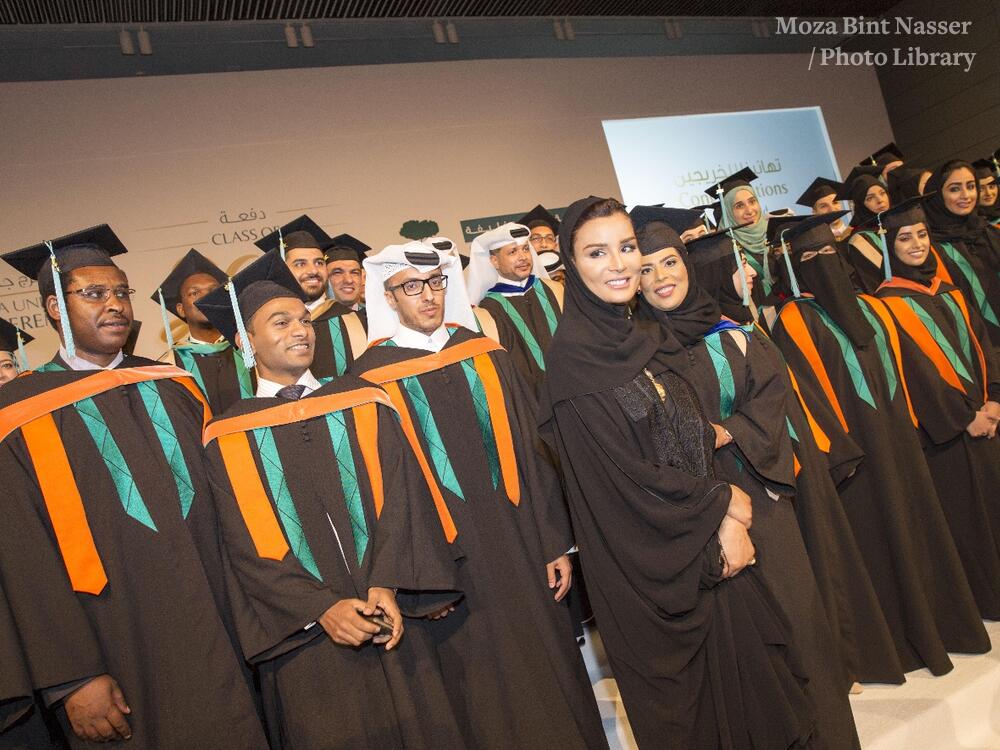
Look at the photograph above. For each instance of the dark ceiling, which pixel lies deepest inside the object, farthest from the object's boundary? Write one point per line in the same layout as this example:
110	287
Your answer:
172	11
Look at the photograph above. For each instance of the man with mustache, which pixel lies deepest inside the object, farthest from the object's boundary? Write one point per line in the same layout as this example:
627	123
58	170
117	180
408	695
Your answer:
508	281
469	416
100	454
340	333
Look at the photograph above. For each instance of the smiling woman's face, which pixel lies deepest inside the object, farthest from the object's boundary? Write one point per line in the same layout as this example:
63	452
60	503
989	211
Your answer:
960	192
912	244
663	279
607	257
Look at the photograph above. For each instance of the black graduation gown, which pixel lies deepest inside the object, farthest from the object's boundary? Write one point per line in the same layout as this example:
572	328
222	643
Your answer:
334	355
217	371
318	694
891	502
867	274
966	470
155	627
975	277
512	668
759	461
23	722
531	312
700	662
860	632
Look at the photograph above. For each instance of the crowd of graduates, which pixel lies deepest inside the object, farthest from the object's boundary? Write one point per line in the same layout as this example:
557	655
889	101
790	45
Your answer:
359	506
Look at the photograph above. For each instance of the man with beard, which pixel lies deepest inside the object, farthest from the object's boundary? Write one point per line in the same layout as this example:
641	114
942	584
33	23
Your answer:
500	507
339	337
216	366
845	351
507	280
329	533
103	481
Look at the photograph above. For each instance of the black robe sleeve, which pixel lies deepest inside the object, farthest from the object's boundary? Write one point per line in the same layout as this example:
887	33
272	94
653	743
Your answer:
57	641
641	506
275	603
758	425
410	553
537	475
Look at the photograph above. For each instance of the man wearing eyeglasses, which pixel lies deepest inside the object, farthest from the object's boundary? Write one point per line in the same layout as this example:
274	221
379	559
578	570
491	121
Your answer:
109	517
468	416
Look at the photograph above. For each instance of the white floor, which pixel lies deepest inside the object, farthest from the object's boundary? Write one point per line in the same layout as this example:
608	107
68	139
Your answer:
958	711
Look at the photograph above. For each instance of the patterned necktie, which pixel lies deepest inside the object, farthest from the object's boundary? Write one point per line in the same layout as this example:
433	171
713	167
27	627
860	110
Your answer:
291	392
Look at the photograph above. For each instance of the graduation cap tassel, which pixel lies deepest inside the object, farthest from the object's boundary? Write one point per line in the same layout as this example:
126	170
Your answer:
281	244
885	250
996	166
788	264
246	350
61	302
21	354
740	266
166	320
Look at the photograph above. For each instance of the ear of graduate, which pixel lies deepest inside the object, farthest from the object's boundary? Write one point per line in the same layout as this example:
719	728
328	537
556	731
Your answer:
362	451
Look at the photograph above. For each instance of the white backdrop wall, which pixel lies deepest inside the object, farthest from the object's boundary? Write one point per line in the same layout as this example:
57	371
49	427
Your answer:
361	149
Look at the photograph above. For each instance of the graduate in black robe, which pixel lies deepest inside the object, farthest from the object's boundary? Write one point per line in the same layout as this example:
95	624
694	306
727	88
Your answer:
967	245
324	515
508	281
216	366
953	373
340	331
836	344
511	666
101	457
864	189
854	616
742	392
699	648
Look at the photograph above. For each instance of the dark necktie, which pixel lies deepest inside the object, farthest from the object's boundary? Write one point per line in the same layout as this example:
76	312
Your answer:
291	392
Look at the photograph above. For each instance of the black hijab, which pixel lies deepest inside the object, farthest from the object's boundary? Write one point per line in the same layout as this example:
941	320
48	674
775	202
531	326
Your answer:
859	191
598	345
924	273
698	312
972	229
827	276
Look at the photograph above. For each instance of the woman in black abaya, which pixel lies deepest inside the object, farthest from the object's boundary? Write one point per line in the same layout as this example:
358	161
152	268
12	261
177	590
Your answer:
698	647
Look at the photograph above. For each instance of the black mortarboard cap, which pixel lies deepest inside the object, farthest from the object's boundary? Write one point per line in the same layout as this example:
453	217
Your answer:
710	247
94	246
8	336
265	279
903	183
865	173
744	177
300	232
819	188
346	247
886	155
679	219
905	213
539	216
192	263
803	232
657	235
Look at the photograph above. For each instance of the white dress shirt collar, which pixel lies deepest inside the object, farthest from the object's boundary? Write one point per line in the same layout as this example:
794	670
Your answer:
411	339
77	363
269	389
310	306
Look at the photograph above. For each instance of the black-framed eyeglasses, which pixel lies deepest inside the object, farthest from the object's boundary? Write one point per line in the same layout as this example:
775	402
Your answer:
413	287
102	293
